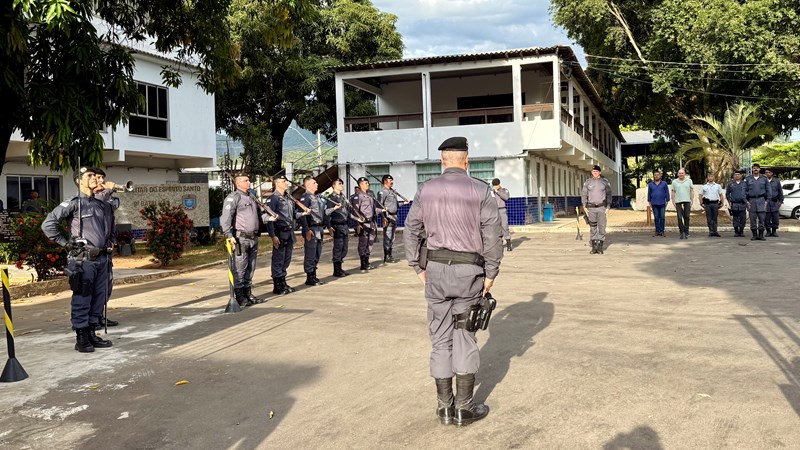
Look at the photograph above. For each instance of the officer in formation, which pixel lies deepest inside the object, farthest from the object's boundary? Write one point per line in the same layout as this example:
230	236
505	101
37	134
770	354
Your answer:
88	248
455	217
758	191
596	199
338	213
736	193
366	207
388	198
281	231
712	198
774	203
241	224
312	226
501	194
105	192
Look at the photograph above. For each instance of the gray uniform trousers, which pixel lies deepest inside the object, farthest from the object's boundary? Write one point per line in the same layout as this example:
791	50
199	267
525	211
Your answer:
366	238
244	265
597	215
712	212
451	290
282	256
772	218
389	230
758	213
504	223
341	234
739	215
87	306
312	250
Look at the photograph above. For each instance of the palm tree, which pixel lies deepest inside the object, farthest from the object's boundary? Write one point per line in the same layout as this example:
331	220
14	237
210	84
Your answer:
724	144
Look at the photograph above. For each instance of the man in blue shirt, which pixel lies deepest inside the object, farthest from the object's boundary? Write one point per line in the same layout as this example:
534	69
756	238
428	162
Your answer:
657	198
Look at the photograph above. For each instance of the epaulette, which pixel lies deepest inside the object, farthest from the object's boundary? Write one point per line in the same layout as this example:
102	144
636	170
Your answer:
481	180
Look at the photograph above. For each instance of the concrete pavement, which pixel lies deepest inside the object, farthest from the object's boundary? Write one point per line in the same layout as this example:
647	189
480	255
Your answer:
659	343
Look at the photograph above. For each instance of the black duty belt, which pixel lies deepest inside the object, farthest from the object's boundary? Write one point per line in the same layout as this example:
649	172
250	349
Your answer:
756	196
738	201
450	257
94	253
596	205
707	201
338	222
775	199
245	234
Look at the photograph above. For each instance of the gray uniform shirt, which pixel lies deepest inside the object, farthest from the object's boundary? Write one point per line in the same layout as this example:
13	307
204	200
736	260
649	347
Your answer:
239	213
736	192
501	195
317	216
92	220
284	208
455	212
341	215
596	191
364	203
388	197
757	187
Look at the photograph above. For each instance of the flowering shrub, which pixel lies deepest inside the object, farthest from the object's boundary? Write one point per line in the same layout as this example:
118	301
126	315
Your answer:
34	249
168	234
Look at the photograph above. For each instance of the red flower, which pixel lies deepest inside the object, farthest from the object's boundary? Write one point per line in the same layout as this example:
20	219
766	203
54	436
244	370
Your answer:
23	256
19	264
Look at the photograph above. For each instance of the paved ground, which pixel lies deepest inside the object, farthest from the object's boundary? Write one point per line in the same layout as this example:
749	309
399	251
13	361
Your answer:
659	343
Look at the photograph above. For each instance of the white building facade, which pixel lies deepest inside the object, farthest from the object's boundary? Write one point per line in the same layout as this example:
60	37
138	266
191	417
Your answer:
539	141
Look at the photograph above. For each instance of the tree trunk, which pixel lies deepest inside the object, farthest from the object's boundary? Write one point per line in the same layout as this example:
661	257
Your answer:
278	130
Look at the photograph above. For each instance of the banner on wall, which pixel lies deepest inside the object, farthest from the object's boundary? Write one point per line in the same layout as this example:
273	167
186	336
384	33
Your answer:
191	197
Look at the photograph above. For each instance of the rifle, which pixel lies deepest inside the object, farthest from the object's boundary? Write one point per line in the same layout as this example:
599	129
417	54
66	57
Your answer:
392	189
578	224
263	206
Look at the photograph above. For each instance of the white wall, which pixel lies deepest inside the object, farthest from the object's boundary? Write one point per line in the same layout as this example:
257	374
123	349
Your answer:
401	98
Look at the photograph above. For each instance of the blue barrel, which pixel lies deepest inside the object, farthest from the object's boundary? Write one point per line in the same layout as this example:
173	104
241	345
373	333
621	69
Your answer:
547	212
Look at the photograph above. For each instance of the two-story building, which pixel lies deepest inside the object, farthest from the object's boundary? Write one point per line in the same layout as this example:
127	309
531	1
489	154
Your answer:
175	130
531	116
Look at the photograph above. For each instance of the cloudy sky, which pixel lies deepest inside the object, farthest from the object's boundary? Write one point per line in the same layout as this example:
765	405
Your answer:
449	27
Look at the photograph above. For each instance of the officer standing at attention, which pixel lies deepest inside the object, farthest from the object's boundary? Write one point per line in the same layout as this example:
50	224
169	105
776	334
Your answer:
457	217
501	195
282	233
683	199
596	199
758	191
365	204
241	224
338	214
88	249
104	192
712	199
774	203
736	193
388	198
312	226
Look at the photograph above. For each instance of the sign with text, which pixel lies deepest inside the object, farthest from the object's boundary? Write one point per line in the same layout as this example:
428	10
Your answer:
191	197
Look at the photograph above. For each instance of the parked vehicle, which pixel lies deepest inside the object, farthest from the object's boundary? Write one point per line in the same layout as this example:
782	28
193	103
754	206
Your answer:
791	204
790	186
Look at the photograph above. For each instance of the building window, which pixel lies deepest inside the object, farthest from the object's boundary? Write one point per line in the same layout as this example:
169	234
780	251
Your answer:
426	171
19	188
375	174
151	120
482	169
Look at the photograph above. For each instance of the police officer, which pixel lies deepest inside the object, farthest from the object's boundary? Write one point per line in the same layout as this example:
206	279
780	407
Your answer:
338	214
366	231
736	193
312	226
774	203
88	250
105	192
711	199
458	217
596	199
758	191
501	195
241	224
282	233
388	198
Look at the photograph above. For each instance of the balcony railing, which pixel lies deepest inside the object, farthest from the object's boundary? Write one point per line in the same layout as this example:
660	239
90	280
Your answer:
369	123
488	115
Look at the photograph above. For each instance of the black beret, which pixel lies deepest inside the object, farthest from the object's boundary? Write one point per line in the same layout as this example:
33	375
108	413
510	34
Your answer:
496	182
363	180
457	143
596	167
386	177
81	172
280	177
338	180
98	171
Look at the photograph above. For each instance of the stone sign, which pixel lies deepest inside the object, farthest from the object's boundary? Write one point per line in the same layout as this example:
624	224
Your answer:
192	197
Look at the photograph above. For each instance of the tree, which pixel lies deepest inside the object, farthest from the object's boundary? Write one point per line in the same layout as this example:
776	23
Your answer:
660	63
278	85
725	144
787	154
66	70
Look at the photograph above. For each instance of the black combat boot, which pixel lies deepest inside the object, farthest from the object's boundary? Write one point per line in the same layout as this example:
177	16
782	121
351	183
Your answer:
82	342
240	298
508	244
466	409
444	395
600	246
286	288
277	286
387	256
774	232
97	341
111	323
248	292
761	235
316	279
594	247
755	234
337	270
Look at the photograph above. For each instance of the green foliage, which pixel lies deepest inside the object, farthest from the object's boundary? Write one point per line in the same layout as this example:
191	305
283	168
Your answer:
216	197
168	234
662	156
778	155
722	50
276	85
33	249
725	144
